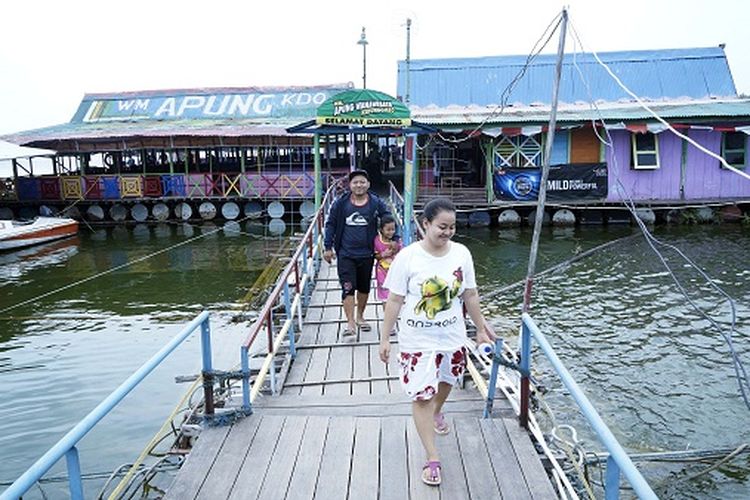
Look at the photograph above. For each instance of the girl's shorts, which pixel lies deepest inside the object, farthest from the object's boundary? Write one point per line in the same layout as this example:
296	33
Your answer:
422	371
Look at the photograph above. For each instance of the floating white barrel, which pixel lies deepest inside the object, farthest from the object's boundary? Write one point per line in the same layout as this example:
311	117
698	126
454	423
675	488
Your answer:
704	214
160	211
646	215
6	213
479	219
118	212
276	209
253	210
509	218
563	217
307	209
95	212
139	212
276	226
230	210
183	211
531	219
46	211
207	210
72	212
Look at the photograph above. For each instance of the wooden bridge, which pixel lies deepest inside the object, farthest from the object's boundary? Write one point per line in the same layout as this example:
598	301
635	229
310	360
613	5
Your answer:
341	428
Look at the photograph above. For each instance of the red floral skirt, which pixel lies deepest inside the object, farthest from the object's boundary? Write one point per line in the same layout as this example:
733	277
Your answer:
422	371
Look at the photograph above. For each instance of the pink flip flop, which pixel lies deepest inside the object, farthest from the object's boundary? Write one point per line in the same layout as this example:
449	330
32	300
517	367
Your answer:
441	426
433	477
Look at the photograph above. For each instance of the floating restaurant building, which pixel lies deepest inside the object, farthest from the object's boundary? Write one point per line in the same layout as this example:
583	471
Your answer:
154	153
493	113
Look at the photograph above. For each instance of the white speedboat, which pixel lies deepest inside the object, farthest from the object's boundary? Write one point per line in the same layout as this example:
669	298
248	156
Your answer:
15	234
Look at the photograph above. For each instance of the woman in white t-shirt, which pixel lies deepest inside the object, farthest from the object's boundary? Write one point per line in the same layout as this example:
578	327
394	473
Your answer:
429	282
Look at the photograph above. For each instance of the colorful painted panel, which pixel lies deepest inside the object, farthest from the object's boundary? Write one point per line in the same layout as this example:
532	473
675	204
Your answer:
28	188
49	188
152	186
173	185
130	187
72	189
111	187
93	188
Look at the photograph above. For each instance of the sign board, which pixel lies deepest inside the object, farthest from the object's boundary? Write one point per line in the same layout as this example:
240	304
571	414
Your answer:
363	108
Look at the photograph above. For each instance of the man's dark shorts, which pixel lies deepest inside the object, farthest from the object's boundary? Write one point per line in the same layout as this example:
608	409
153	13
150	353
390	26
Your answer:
355	274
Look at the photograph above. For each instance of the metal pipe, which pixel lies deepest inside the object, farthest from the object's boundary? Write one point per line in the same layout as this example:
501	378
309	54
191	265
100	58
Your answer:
41	466
74	474
245	361
208	376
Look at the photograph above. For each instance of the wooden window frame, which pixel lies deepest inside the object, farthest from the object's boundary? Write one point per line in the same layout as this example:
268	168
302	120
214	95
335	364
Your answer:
725	151
635	152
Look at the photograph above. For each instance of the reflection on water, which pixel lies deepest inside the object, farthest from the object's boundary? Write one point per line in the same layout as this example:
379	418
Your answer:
658	374
61	355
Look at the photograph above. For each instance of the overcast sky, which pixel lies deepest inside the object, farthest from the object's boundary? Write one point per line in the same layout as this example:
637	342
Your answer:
53	52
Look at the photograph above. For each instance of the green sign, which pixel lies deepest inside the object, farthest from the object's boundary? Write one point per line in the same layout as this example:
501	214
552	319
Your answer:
363	108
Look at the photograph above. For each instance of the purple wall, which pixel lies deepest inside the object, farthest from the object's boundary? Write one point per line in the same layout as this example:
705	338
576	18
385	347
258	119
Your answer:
703	179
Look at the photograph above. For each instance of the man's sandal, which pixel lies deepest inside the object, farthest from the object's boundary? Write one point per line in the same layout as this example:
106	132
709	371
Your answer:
441	426
431	473
364	326
349	332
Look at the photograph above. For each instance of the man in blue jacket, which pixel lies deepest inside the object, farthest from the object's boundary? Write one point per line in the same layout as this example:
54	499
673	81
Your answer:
350	230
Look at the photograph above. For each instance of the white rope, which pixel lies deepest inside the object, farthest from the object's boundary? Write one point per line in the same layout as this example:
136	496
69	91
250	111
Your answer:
109	271
740	372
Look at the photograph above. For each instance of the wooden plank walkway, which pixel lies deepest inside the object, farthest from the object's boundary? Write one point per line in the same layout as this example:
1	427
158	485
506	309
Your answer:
342	429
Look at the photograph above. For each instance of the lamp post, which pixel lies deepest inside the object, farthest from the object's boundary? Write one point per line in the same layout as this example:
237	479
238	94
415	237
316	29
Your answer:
363	42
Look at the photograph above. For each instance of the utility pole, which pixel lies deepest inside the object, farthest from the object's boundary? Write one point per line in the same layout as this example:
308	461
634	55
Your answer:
363	42
523	417
408	61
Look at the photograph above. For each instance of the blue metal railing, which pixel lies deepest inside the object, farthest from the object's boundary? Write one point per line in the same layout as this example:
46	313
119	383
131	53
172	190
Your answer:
618	461
286	301
67	445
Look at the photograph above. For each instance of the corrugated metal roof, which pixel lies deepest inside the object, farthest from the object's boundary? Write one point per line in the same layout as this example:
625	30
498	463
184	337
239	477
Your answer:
166	128
675	110
655	74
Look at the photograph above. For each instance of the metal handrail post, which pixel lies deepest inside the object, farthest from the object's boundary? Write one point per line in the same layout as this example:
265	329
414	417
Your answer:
616	451
492	385
290	317
525	369
245	362
74	474
208	376
612	481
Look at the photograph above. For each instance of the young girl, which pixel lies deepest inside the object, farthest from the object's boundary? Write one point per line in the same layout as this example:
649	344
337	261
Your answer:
385	249
429	282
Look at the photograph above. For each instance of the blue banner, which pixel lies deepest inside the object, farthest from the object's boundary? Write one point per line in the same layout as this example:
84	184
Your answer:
294	104
565	182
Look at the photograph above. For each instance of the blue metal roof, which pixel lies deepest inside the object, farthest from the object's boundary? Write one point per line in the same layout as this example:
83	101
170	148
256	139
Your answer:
654	74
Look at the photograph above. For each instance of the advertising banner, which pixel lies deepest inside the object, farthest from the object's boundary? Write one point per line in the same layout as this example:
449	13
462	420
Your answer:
568	182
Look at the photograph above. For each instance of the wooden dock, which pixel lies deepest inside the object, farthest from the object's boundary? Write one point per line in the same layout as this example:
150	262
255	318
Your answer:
341	429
